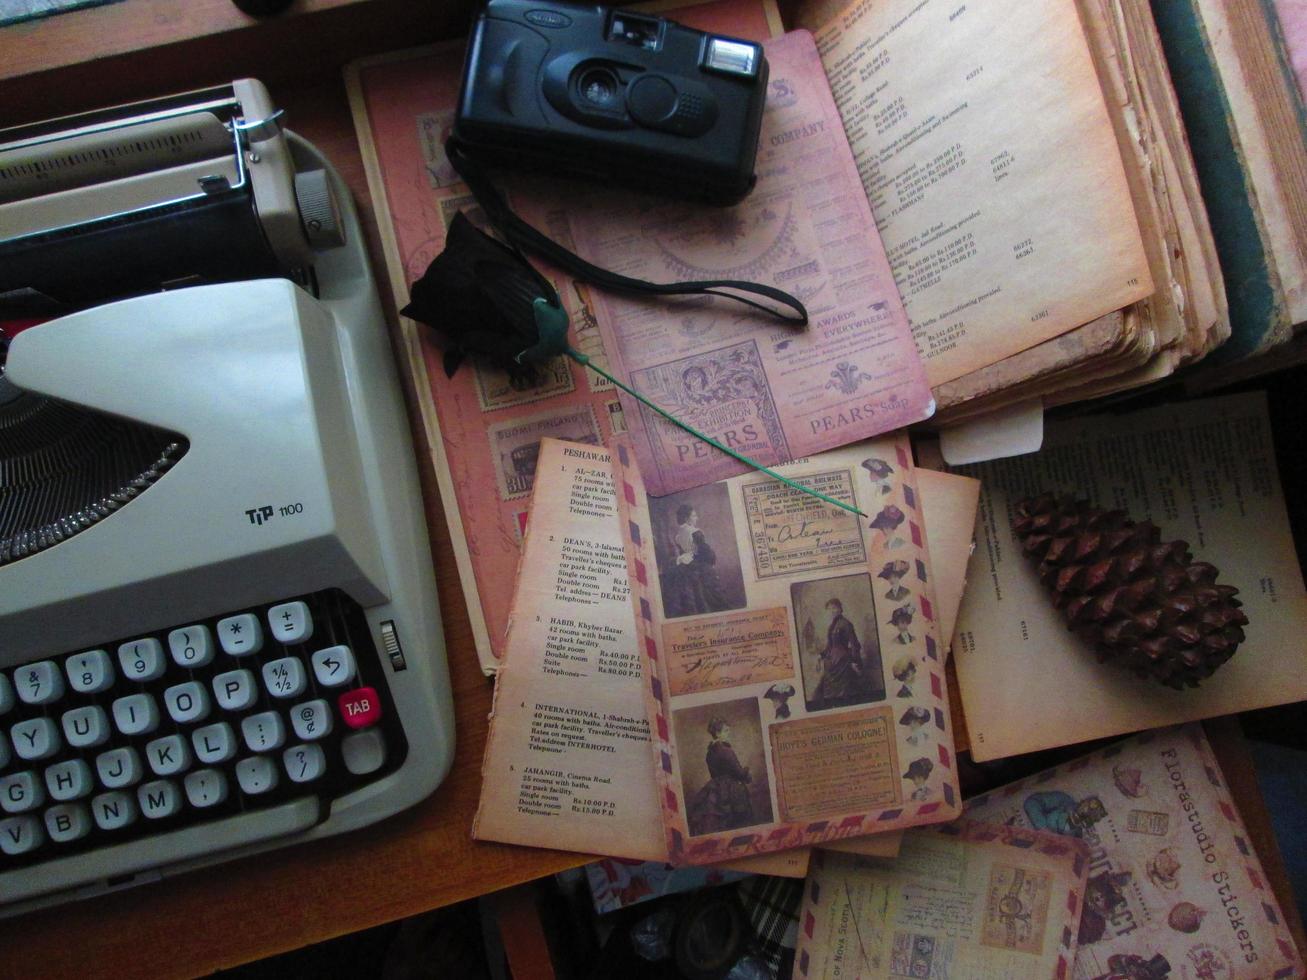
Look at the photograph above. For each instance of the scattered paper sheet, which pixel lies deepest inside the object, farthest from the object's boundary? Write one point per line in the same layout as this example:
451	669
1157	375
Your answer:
770	391
1203	471
967	900
1174	888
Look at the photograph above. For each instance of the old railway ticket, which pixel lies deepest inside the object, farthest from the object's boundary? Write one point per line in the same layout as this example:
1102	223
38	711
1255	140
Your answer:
964	902
770	391
792	652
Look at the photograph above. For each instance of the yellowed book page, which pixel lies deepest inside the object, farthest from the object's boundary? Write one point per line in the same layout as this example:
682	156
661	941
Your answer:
878	845
949	507
1094	339
970	900
986	150
1118	73
567	758
1205	293
1132	67
1204	472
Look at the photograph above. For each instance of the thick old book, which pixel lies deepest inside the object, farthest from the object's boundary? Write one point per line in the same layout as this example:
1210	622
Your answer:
1175	888
1204	472
1244	115
567	762
965	900
1048	242
791	650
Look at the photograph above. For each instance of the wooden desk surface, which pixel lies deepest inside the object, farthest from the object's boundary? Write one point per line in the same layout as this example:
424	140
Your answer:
419	860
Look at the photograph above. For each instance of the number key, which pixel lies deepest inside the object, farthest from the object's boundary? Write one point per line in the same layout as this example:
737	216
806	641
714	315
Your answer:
191	646
90	672
39	683
141	660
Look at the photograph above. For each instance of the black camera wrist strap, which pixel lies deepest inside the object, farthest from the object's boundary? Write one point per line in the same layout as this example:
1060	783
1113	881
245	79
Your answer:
526	238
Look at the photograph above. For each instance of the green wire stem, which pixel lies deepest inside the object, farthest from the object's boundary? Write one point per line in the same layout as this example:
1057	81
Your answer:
584	360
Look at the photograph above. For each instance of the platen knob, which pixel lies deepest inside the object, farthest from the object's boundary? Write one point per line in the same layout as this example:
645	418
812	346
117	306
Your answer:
318	211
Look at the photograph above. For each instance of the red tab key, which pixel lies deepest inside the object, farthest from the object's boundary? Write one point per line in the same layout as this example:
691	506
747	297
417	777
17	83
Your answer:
360	708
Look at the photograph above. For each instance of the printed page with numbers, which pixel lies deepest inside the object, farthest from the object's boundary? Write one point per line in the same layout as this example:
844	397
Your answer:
989	158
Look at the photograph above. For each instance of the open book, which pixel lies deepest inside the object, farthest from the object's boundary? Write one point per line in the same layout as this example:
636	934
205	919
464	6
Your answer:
1032	182
569	761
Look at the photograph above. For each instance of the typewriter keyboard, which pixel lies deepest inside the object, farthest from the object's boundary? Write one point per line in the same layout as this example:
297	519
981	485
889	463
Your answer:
211	719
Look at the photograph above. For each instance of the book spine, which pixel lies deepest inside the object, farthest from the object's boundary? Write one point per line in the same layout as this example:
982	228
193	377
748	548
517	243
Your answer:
1251	283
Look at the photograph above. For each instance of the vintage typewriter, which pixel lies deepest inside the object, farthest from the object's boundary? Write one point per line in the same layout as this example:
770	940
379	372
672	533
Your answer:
218	621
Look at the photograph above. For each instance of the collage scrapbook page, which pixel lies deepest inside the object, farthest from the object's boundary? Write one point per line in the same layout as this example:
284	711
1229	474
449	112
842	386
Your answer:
966	901
1175	889
791	649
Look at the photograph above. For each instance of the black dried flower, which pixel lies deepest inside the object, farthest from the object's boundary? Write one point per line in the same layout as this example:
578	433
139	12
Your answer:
487	303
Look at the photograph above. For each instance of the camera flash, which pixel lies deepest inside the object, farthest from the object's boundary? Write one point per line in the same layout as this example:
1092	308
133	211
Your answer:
731	57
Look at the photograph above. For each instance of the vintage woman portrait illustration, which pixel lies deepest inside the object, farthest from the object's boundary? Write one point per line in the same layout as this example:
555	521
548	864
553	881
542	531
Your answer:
724	771
839	646
696	551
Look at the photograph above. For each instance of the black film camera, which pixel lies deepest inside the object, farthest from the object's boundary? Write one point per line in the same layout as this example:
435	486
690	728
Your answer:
614	96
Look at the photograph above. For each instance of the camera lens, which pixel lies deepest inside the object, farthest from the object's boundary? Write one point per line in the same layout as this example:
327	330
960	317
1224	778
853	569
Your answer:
599	86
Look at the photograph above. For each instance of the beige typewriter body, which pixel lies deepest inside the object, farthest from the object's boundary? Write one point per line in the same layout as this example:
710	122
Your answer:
299	476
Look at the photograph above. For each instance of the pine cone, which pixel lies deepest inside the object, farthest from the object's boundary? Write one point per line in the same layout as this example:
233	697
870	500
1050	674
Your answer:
1142	602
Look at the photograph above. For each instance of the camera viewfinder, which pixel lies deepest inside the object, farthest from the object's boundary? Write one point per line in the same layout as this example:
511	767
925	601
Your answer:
641	32
731	57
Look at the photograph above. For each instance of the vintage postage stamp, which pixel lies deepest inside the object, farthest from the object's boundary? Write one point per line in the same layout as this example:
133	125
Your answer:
1147	822
739	648
912	956
1016	908
835	764
515	444
495	389
433	129
793	532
